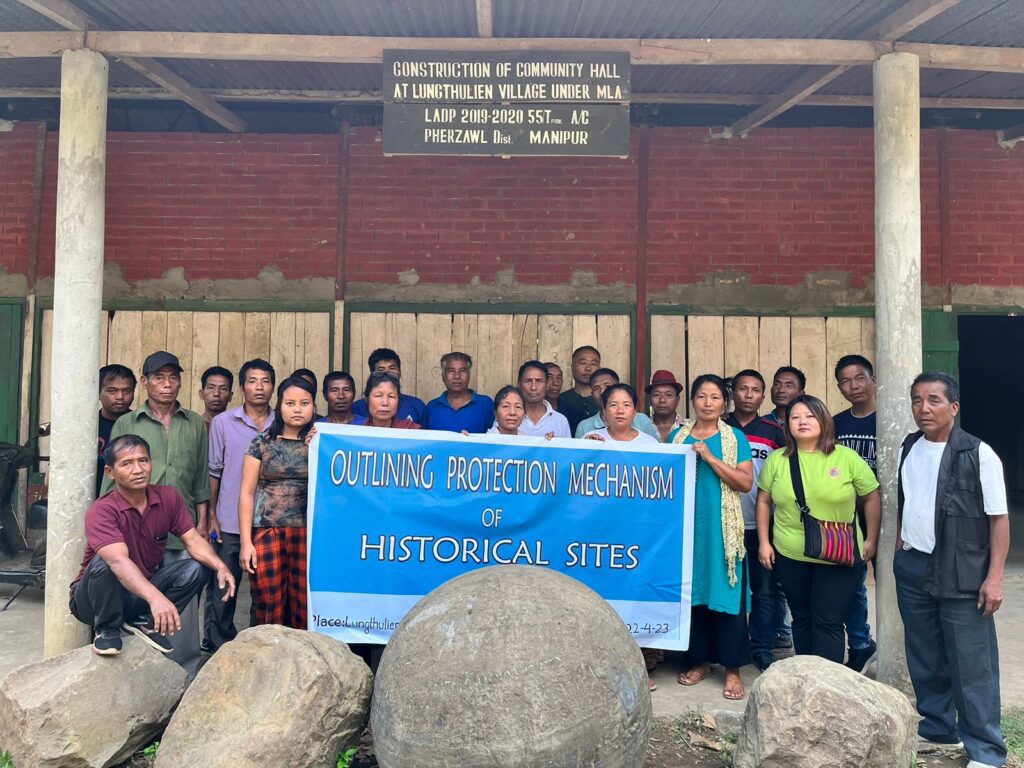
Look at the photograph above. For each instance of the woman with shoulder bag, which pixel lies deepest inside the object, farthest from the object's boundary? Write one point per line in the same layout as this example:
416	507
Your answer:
819	549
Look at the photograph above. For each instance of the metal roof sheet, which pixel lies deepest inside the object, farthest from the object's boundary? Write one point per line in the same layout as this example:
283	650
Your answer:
45	73
15	17
278	74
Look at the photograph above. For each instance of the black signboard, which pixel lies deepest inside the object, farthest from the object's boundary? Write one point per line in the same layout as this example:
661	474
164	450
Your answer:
506	129
502	77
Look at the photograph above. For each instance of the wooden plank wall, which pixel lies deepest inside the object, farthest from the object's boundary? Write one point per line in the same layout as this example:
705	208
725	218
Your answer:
498	344
289	340
692	345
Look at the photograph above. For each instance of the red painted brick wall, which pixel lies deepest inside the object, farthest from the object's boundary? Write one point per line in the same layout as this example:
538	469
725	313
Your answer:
17	174
774	206
219	206
453	219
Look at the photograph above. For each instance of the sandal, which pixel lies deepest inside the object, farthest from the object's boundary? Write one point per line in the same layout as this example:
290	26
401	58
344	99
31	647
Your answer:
651	685
733	692
686	679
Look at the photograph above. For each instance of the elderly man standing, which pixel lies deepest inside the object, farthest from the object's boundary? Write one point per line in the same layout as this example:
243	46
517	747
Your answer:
123	582
179	452
951	550
459	408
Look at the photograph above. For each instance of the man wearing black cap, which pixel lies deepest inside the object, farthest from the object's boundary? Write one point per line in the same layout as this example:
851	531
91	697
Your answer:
179	455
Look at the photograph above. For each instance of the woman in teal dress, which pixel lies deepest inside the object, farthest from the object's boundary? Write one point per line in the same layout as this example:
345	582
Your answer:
718	613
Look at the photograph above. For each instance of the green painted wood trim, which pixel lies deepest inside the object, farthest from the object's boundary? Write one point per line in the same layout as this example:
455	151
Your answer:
12	339
34	383
687	309
508	308
199	305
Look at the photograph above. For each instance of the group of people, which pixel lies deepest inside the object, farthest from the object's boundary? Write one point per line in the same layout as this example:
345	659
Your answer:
188	501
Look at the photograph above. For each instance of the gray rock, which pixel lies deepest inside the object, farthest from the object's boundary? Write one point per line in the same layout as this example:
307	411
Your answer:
511	666
80	710
725	721
806	712
273	696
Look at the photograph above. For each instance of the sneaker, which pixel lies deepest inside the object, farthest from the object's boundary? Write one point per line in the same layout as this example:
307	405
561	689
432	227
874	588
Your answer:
107	642
976	764
143	629
928	746
763	659
859	659
206	648
782	642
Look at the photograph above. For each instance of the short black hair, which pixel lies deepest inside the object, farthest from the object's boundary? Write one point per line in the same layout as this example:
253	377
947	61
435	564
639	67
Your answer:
122	443
747	373
304	373
605	372
376	379
277	428
257	364
710	378
116	371
800	376
334	376
847	360
533	364
619	387
217	370
586	348
382	354
939	377
504	392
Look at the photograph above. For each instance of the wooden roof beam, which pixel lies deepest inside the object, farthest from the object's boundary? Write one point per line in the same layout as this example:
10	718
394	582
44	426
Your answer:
904	20
71	17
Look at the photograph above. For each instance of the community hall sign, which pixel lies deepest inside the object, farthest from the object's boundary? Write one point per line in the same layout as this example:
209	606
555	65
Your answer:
506	103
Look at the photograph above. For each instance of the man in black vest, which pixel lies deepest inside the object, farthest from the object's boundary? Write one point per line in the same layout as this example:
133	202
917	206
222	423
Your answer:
953	542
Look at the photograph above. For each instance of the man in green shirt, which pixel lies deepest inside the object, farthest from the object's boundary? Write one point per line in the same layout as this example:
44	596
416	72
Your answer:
179	448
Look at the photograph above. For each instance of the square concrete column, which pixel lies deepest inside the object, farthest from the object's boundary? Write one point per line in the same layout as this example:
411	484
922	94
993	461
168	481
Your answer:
897	315
77	299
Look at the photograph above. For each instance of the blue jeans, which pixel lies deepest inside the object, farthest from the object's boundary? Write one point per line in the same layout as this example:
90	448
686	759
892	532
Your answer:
953	661
858	631
762	600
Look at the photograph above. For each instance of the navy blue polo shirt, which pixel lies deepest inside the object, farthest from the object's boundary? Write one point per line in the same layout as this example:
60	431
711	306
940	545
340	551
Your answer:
476	416
409	407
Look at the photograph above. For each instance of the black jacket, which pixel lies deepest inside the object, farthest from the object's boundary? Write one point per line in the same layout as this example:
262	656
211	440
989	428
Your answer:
959	563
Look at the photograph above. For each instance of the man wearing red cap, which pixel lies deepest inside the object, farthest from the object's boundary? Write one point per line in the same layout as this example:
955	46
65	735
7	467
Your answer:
663	395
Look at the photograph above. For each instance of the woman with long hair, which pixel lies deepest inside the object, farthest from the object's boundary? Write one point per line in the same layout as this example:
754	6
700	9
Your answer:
382	394
833	478
272	509
718	614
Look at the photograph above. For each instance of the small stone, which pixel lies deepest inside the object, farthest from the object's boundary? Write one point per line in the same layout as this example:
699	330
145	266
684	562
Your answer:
271	697
80	710
806	712
511	666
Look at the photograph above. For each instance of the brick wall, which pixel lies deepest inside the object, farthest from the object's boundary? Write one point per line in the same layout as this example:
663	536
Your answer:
17	175
774	206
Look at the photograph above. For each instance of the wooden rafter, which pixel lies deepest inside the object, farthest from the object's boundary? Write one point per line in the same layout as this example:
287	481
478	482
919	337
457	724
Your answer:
74	19
370	50
902	21
363	97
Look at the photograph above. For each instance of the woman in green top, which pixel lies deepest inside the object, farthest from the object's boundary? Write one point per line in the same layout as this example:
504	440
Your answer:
718	614
834	477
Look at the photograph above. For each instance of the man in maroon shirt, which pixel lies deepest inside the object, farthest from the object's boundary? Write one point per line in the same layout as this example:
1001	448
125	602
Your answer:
121	583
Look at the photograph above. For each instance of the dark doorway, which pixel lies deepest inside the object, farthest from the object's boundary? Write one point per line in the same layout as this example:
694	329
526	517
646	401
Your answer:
991	369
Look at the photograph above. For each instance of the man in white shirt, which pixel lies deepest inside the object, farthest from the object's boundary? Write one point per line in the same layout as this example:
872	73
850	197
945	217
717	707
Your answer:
541	419
952	547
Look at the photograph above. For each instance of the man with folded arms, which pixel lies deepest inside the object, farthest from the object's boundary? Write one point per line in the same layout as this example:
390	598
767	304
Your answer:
123	583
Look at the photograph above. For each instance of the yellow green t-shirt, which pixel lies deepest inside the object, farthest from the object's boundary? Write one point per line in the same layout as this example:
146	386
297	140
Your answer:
832	484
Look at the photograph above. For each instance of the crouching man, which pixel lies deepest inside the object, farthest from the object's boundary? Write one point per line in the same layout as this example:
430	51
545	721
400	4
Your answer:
122	584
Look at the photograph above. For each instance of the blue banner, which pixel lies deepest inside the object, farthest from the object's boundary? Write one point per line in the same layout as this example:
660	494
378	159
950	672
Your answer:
395	513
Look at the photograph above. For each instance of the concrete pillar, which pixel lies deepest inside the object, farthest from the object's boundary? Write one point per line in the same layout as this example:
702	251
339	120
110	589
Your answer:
77	298
897	314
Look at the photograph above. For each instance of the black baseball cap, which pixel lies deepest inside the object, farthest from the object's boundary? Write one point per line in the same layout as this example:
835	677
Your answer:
158	360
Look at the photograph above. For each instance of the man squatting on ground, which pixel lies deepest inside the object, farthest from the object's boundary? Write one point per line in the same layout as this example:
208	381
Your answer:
123	583
950	554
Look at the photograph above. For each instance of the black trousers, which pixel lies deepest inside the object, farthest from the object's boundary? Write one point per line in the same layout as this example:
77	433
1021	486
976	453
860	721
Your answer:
219	625
720	638
101	600
818	596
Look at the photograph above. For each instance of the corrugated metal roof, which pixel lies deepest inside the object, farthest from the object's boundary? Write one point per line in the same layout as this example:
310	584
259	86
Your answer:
976	22
405	18
15	17
278	74
45	73
711	79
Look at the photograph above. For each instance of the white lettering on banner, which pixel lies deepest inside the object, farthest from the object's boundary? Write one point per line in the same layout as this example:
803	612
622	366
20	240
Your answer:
620	481
472	473
382	470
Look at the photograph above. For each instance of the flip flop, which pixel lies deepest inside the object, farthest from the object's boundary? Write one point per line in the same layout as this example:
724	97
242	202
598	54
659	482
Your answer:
731	693
684	681
651	685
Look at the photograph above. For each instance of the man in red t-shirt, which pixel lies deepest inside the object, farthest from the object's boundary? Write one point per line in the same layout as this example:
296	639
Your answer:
121	583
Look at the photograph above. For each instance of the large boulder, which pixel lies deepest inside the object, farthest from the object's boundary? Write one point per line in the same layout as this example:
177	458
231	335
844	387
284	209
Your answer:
806	712
511	666
80	710
273	696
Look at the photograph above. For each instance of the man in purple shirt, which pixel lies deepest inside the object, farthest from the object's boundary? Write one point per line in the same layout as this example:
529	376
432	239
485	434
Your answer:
230	435
123	582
